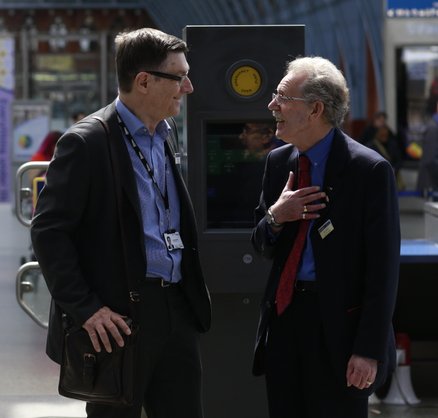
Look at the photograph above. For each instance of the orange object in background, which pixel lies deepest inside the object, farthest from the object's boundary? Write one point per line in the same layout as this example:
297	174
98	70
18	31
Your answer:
414	150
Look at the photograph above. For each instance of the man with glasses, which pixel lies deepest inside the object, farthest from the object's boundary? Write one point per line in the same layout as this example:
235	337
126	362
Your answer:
328	218
115	205
258	139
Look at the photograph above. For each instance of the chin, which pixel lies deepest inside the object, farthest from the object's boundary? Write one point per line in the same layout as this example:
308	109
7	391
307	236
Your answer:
175	110
281	134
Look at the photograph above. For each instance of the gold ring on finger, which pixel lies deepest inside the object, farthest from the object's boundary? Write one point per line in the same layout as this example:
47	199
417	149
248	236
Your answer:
303	215
305	209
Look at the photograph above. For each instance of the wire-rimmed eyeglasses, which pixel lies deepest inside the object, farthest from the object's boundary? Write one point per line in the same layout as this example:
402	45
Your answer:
179	78
281	98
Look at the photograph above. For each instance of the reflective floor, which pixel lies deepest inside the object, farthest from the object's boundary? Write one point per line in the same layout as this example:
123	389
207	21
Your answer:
29	379
428	408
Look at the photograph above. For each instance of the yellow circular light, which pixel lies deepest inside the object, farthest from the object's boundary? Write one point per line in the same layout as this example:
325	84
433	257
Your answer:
246	80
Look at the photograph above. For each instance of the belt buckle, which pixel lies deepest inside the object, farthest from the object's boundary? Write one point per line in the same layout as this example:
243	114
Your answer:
164	283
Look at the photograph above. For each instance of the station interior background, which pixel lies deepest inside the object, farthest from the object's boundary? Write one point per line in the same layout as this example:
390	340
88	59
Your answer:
63	59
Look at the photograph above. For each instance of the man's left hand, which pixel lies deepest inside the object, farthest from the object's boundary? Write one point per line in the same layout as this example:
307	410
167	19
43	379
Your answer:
361	372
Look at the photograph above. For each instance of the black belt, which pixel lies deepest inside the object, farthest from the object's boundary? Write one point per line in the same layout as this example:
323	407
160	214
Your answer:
306	286
161	282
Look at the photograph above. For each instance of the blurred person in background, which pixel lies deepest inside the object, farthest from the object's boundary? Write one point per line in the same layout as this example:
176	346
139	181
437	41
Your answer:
380	120
47	147
385	144
77	116
427	181
44	153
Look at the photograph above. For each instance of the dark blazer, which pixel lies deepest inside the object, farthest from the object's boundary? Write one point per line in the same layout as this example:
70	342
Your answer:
76	231
357	264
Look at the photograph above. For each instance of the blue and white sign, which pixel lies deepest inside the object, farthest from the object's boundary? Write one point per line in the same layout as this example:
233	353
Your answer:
411	8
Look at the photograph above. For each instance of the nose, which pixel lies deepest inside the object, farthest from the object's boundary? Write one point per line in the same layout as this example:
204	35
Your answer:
272	105
187	85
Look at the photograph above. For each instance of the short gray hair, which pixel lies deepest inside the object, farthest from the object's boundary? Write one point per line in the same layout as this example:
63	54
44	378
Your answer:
324	82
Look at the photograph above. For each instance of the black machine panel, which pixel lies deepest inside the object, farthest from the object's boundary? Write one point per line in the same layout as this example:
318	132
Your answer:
234	70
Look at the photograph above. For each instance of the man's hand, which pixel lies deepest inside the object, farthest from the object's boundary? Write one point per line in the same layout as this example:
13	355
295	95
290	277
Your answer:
292	204
102	322
361	371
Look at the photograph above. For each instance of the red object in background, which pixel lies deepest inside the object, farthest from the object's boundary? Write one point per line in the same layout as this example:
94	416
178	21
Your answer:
47	147
403	342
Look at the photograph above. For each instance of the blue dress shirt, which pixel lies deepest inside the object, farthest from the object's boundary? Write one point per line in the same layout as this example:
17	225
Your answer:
156	219
318	155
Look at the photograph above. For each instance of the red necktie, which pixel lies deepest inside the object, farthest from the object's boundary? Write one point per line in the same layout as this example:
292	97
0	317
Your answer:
287	278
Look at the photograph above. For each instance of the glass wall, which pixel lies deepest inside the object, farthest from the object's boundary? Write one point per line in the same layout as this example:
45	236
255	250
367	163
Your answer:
65	56
417	92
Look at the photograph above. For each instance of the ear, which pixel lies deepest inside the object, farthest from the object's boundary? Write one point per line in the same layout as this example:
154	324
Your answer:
141	80
317	109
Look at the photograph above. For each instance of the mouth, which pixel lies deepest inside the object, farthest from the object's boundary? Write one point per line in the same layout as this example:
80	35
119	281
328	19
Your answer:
277	117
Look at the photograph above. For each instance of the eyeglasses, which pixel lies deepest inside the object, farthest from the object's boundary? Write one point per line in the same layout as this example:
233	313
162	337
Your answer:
179	78
280	98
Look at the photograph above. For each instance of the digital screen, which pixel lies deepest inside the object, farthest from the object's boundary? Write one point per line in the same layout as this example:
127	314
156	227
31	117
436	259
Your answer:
236	155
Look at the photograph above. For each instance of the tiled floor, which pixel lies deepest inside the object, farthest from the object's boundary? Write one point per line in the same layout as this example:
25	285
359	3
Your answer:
29	379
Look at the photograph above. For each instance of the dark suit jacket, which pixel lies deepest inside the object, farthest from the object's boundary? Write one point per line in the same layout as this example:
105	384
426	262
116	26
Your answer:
76	231
357	264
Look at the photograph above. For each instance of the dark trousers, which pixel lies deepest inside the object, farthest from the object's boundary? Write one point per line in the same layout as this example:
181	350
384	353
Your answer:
301	382
169	384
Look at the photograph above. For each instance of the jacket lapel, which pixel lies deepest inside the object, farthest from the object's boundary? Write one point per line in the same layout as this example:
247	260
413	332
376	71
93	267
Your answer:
336	162
120	158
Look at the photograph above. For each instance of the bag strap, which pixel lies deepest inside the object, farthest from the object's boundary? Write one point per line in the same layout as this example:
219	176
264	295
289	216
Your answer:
134	295
173	145
172	140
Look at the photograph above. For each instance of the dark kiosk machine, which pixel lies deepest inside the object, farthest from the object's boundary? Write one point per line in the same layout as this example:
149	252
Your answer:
229	131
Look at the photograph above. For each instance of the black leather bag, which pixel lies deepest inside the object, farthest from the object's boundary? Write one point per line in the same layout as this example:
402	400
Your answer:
104	378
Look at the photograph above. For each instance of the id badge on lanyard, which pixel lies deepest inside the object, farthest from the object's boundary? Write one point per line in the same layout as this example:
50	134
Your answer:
173	240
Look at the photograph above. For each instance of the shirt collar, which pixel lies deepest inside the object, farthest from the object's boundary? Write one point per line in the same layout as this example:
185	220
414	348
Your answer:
135	125
319	152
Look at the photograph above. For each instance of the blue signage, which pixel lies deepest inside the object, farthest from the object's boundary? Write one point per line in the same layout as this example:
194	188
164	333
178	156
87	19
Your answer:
412	8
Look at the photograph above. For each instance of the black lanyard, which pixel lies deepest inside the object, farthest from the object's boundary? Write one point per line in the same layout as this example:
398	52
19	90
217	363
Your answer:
144	161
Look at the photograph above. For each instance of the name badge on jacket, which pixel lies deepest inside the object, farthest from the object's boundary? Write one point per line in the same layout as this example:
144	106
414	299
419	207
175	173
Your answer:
326	228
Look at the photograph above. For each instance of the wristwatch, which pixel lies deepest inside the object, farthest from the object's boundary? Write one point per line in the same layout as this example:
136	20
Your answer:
271	220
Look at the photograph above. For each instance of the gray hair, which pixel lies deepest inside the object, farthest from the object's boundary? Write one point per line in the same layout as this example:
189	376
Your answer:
324	82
